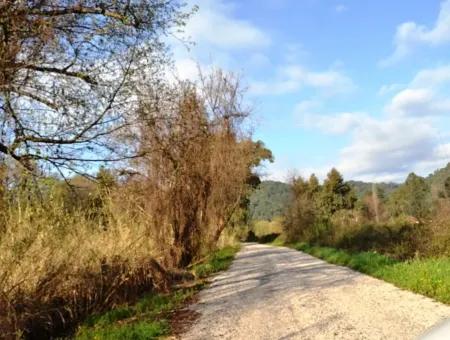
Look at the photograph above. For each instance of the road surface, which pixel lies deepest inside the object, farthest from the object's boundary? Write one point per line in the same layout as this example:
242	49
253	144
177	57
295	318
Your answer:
279	293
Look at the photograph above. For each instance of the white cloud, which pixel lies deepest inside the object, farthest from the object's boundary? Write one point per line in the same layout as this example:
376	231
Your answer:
186	68
410	35
214	25
390	88
217	36
442	151
407	137
336	123
418	102
426	95
433	77
291	78
390	146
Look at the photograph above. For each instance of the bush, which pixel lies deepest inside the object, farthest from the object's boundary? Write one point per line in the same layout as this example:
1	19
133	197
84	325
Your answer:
400	241
57	265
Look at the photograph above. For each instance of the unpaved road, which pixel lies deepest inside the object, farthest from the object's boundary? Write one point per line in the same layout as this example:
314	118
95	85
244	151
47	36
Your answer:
279	293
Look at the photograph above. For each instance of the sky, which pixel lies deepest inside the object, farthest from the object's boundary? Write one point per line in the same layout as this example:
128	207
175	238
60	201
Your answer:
362	86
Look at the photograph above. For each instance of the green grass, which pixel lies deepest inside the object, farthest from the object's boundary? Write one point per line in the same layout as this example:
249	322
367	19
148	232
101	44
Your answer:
218	261
430	277
144	320
148	318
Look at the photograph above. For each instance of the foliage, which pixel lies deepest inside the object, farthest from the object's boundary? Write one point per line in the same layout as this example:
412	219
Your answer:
362	188
309	214
335	194
262	228
399	240
269	200
75	247
411	198
405	224
437	179
148	317
424	276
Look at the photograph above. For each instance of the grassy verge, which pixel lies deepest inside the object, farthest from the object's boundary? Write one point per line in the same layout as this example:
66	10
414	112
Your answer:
430	277
149	317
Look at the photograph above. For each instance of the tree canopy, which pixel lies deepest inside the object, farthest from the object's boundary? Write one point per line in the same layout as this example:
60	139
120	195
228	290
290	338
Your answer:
71	73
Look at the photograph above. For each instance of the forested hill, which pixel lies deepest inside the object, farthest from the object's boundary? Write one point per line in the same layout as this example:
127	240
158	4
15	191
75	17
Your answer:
362	187
269	200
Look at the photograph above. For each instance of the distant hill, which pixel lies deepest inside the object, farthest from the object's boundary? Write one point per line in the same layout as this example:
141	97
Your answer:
362	187
269	200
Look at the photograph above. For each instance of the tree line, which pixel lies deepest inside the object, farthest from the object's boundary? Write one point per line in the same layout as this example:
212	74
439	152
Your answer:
408	222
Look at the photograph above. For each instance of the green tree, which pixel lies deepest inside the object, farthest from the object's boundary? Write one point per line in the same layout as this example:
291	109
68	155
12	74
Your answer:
413	198
336	194
301	213
313	185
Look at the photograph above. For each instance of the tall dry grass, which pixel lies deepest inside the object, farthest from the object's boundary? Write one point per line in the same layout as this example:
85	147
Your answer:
65	254
57	265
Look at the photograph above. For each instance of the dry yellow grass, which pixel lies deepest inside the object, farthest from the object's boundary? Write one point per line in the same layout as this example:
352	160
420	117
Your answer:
48	253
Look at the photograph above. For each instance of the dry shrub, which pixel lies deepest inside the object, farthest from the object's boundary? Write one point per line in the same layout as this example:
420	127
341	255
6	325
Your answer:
439	227
65	255
58	266
198	162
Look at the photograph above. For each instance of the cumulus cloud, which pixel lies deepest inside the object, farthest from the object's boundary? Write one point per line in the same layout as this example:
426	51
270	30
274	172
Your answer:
307	116
390	146
215	25
406	137
418	102
410	35
426	95
217	37
433	77
291	78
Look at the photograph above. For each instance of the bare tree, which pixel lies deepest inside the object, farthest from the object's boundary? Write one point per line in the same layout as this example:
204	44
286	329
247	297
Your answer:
69	74
199	161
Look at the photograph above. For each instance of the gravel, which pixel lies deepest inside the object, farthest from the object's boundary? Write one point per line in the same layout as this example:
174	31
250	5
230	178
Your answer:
279	293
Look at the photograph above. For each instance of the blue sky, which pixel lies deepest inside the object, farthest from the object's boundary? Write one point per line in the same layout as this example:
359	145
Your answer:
362	86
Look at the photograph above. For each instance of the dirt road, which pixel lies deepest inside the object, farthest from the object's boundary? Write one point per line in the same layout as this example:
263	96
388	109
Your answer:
279	293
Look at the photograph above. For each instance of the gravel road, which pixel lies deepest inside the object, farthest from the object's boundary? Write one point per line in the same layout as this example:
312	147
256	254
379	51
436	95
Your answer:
279	293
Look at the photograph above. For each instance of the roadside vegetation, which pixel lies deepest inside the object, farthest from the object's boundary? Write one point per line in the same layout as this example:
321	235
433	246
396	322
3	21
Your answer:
152	315
426	276
409	223
114	180
401	235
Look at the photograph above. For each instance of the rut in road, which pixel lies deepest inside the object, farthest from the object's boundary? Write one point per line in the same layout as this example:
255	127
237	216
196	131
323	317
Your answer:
280	293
